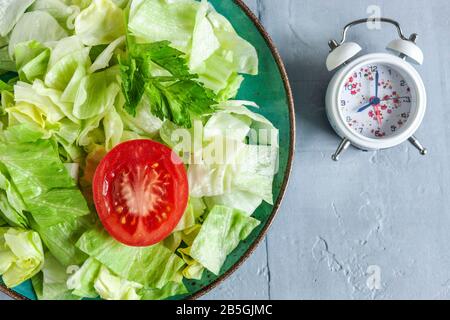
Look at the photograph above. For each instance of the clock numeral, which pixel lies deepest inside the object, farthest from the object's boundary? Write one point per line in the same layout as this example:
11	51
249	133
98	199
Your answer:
373	68
407	99
343	103
349	119
390	72
393	128
403	83
361	130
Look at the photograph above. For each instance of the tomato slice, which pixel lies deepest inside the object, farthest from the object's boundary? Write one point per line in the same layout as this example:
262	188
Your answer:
140	192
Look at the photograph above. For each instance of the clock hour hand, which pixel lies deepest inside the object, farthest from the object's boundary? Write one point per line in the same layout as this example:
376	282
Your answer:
363	108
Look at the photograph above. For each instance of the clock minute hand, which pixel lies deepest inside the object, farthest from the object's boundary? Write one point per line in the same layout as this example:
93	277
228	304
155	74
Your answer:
377	79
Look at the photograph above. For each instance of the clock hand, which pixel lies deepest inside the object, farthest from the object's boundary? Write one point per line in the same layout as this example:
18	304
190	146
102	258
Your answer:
364	107
393	98
378	114
377	79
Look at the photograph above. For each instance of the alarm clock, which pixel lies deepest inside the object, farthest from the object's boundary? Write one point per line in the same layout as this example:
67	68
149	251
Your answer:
375	101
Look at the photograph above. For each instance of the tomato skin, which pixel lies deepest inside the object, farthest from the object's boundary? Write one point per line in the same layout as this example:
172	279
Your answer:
141	192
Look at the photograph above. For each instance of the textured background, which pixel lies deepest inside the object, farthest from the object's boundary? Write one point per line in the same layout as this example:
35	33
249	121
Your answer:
385	209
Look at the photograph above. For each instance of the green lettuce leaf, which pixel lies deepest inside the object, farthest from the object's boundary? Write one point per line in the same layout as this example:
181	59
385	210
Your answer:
112	287
60	239
113	126
36	25
50	201
11	12
6	63
50	284
100	23
219	235
21	255
103	59
241	200
141	265
31	60
82	281
96	94
24	92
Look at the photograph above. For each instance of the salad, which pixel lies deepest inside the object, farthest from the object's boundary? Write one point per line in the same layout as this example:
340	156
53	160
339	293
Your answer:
127	167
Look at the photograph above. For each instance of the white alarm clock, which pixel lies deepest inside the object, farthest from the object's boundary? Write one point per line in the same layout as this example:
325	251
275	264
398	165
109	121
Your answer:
376	101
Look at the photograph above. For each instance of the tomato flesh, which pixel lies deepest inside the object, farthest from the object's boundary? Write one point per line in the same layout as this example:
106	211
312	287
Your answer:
140	192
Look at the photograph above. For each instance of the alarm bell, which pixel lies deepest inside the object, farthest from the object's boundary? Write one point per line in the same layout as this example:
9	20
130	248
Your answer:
407	48
341	54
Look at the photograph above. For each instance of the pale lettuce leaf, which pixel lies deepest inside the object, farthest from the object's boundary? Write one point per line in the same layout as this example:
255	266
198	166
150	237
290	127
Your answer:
105	57
21	255
219	235
82	281
12	11
50	284
112	287
36	25
96	94
159	20
100	23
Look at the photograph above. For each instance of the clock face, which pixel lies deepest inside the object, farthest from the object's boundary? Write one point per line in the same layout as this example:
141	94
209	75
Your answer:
376	101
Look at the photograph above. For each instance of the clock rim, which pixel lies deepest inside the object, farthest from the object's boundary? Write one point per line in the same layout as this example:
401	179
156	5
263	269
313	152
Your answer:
358	140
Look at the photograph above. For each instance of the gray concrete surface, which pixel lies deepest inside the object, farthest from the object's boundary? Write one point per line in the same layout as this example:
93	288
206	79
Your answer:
380	213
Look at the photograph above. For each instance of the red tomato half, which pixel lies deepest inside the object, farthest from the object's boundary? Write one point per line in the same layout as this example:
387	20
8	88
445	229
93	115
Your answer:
140	192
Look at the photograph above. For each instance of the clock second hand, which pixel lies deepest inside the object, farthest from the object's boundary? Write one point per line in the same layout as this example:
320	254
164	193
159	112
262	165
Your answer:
378	114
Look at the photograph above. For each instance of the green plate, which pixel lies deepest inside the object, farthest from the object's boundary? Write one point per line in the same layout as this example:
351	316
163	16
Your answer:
271	90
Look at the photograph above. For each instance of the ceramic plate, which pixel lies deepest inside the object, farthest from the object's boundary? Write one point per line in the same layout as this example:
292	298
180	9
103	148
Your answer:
271	90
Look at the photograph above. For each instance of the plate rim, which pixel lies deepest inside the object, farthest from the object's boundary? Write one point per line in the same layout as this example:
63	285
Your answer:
288	172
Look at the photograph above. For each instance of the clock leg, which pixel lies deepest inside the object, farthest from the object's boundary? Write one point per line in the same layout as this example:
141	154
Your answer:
418	145
344	145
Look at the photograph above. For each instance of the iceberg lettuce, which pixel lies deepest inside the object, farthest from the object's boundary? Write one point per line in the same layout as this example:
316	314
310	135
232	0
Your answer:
100	23
219	235
12	11
50	284
112	287
21	255
141	265
36	25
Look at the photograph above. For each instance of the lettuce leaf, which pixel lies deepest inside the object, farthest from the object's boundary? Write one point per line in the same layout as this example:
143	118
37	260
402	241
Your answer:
104	58
6	63
112	287
100	23
220	234
160	20
50	201
11	12
141	265
204	41
60	239
31	60
241	200
96	94
82	281
21	255
50	284
59	10
36	25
